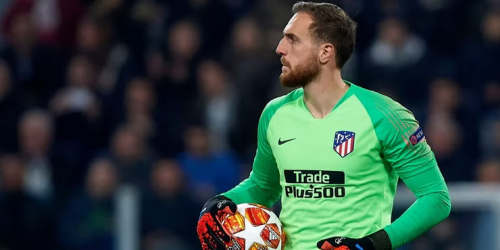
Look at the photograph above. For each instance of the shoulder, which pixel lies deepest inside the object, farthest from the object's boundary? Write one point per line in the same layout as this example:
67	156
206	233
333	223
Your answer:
381	108
278	102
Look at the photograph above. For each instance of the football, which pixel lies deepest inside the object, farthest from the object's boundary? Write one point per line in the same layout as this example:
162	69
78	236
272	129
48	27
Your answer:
254	227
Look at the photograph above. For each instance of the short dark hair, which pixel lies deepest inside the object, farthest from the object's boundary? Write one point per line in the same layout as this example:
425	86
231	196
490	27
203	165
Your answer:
333	25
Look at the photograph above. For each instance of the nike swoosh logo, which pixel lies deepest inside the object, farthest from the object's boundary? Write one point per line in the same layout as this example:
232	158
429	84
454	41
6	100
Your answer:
280	142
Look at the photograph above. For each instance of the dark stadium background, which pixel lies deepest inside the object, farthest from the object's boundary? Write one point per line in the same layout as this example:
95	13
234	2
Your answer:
119	118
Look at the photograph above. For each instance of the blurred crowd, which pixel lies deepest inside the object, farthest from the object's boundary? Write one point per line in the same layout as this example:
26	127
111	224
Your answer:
165	95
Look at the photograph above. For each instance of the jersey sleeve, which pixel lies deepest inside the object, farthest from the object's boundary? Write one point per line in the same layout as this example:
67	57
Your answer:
404	147
263	185
403	142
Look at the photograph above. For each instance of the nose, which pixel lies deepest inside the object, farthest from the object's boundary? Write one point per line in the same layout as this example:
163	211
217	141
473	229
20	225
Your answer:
280	50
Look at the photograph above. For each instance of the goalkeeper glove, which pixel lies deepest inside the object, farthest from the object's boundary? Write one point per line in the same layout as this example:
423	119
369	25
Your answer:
210	231
376	241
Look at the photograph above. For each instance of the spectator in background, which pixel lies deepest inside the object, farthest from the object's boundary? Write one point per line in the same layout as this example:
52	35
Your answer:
168	208
491	97
55	20
170	110
250	79
208	172
490	135
396	56
26	222
4	5
140	103
396	47
10	110
446	123
139	110
93	38
132	157
51	172
217	104
479	57
77	96
488	172
96	38
87	222
35	67
445	137
183	48
76	110
445	98
36	132
156	67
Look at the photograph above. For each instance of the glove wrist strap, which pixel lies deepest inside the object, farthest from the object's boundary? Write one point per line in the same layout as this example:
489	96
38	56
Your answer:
380	240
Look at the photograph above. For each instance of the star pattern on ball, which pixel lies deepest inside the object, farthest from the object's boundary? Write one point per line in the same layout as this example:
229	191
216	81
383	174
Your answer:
249	233
253	234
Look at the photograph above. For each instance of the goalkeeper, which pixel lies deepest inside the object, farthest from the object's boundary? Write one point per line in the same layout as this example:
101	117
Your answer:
333	151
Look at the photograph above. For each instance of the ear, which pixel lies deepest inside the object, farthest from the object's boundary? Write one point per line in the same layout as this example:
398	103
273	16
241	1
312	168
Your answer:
326	53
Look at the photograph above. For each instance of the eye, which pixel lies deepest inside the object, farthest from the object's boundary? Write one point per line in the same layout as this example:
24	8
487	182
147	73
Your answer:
291	38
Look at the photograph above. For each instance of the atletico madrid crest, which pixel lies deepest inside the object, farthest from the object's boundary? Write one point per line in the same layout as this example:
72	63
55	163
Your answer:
343	143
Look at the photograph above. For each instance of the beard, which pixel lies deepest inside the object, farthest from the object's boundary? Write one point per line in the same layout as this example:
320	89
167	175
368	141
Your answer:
302	74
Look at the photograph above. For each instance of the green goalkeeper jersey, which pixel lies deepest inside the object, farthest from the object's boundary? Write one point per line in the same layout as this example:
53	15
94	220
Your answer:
337	176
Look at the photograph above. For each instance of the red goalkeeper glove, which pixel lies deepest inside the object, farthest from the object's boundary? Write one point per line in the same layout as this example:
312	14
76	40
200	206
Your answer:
210	231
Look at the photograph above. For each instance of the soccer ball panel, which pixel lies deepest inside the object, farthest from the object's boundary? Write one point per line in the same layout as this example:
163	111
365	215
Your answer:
271	235
257	246
257	216
237	244
234	223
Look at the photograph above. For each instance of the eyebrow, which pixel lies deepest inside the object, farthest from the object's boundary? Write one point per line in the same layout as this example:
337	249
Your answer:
290	35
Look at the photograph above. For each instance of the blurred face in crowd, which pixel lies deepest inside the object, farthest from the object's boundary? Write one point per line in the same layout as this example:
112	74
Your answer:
443	135
167	177
393	32
491	26
298	53
23	32
92	36
35	134
492	93
246	36
184	40
156	66
196	139
445	95
140	102
11	172
102	178
81	72
140	96
127	145
5	80
489	172
212	78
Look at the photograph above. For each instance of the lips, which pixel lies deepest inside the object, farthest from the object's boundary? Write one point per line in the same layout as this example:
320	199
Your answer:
283	62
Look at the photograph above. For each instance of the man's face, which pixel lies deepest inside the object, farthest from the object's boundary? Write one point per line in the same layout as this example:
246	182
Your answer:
298	53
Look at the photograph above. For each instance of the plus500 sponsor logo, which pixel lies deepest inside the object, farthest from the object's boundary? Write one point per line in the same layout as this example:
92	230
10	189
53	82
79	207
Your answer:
312	178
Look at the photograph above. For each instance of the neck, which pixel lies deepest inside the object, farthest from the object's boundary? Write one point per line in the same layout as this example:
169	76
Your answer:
322	94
